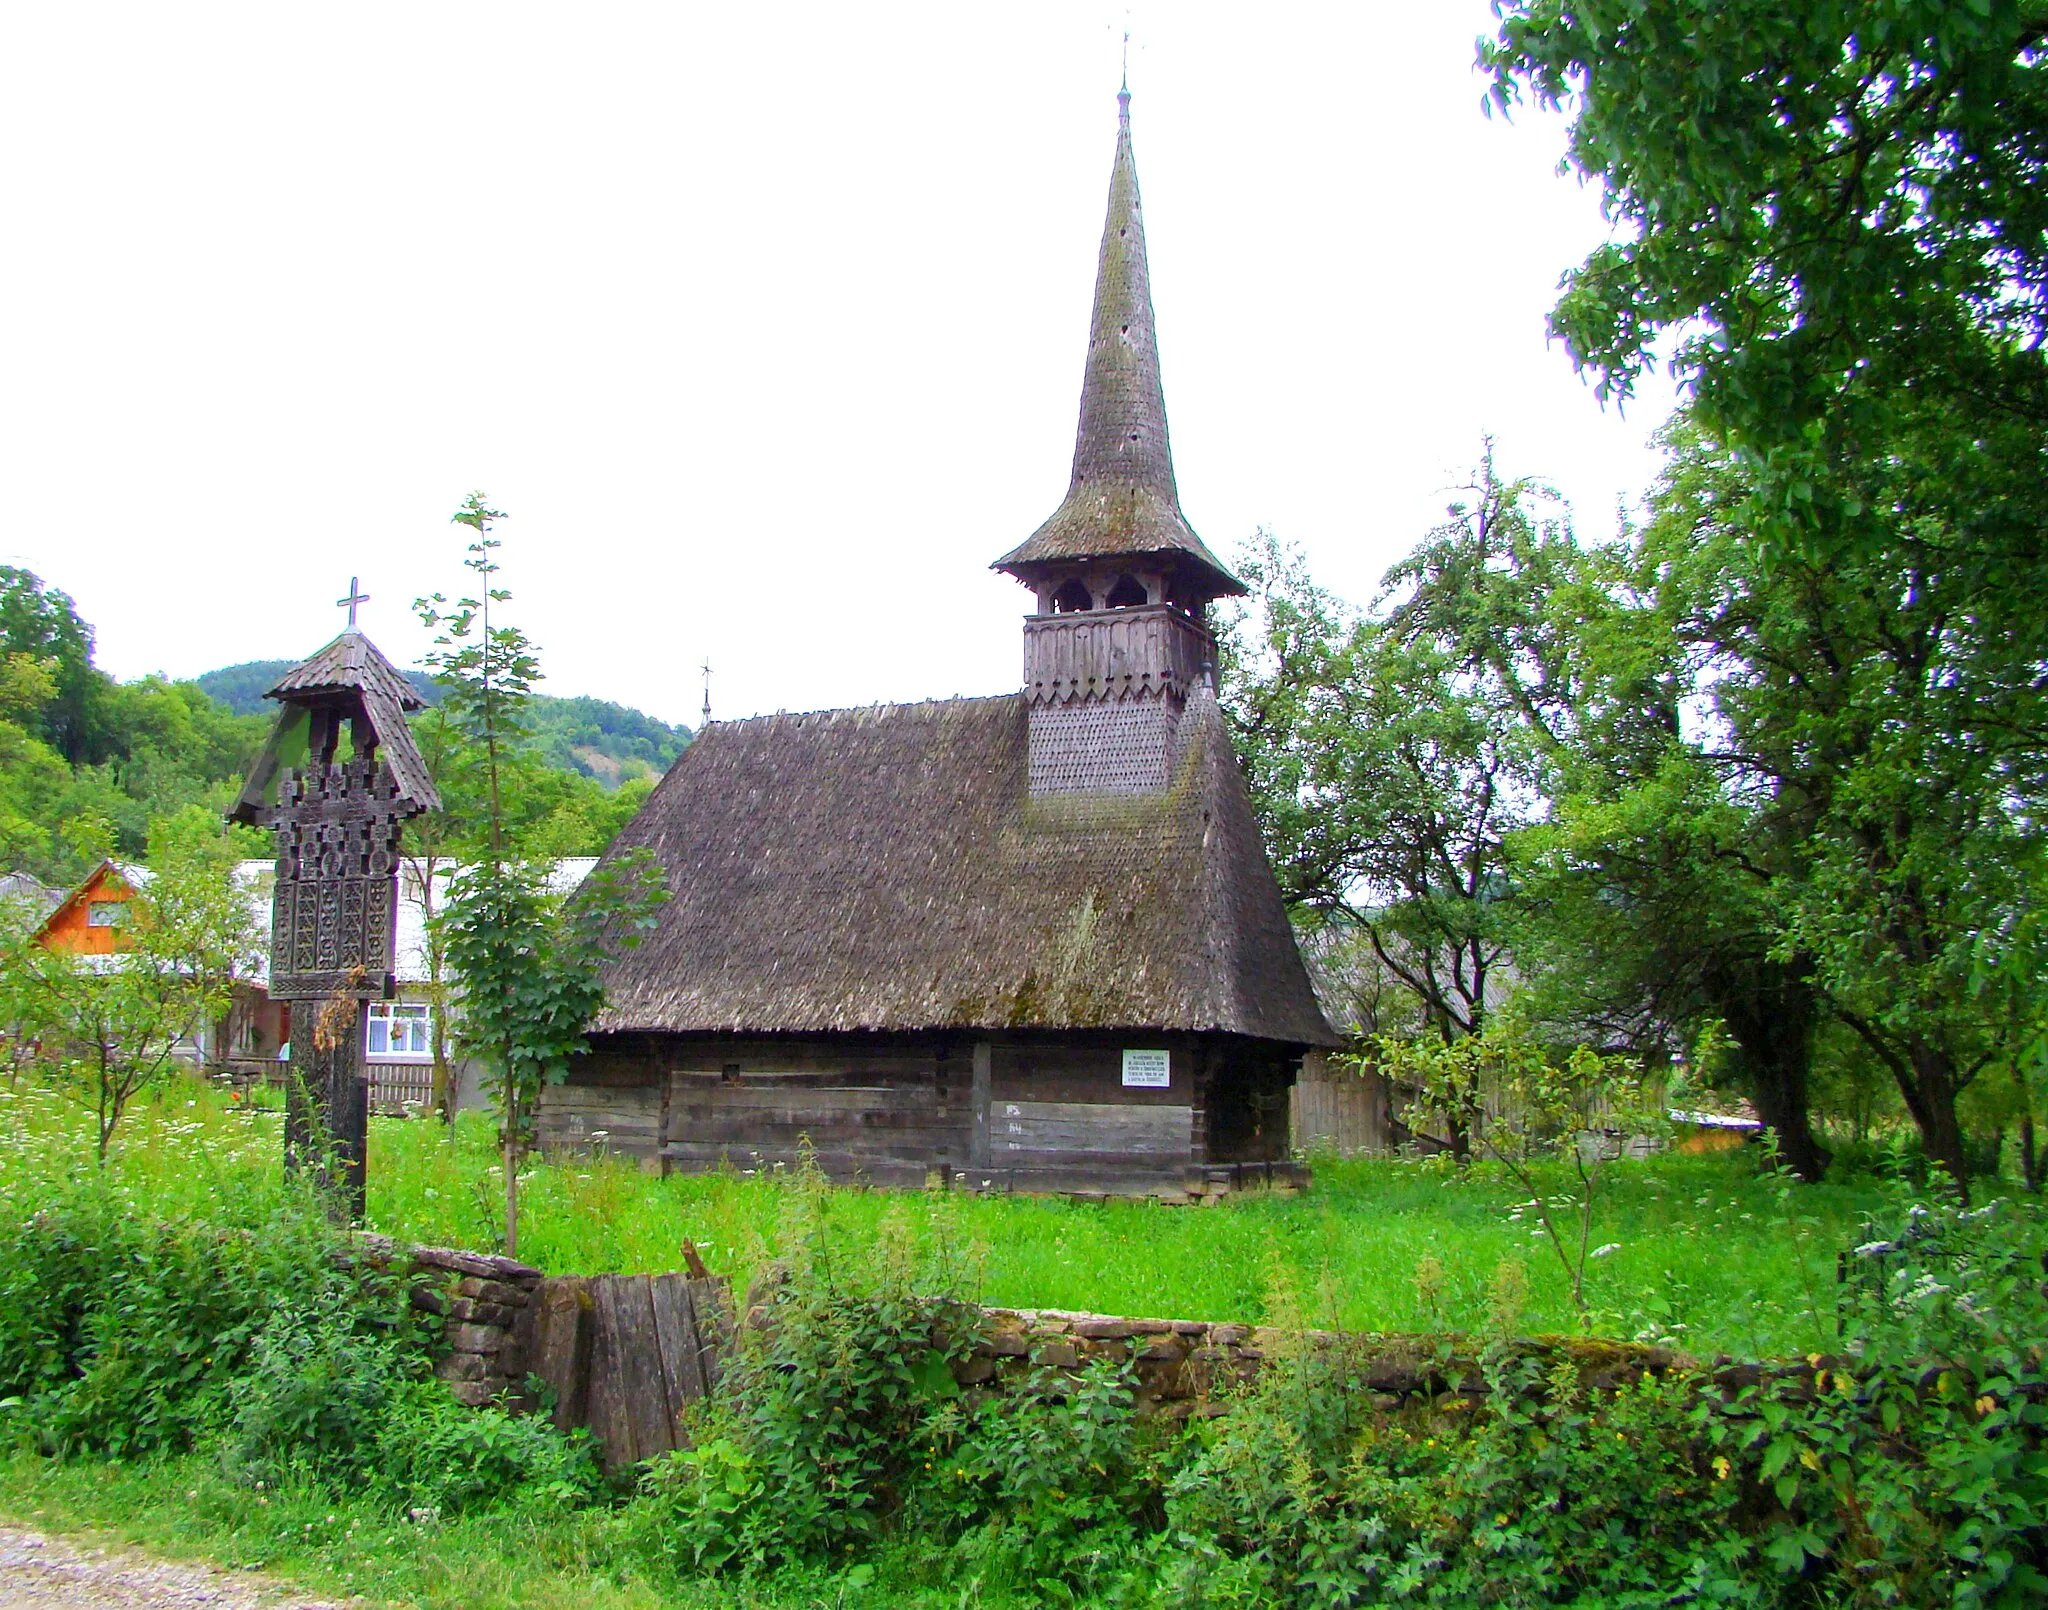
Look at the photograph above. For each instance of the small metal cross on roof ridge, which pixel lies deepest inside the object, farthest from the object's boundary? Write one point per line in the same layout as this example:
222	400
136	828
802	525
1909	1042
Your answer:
356	596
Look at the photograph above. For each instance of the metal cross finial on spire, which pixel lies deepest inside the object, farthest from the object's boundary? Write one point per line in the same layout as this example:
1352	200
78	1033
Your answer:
707	693
356	596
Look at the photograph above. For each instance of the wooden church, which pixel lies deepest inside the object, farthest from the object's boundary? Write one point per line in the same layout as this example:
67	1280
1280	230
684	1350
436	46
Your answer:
1027	942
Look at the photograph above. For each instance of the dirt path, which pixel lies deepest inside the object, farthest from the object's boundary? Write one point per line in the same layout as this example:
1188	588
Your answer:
41	1572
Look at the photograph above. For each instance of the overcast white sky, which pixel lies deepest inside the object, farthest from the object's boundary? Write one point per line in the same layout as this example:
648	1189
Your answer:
764	324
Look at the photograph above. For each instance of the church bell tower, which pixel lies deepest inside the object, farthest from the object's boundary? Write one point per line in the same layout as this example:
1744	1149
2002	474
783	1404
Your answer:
1120	636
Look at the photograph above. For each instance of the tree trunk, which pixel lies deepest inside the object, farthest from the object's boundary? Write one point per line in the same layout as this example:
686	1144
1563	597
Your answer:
1770	1009
511	1140
1927	1080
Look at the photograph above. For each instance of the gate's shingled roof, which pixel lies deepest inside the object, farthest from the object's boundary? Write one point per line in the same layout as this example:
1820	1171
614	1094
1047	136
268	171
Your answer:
883	869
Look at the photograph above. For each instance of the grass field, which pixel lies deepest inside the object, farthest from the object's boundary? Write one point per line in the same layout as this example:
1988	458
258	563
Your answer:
1706	1250
183	1507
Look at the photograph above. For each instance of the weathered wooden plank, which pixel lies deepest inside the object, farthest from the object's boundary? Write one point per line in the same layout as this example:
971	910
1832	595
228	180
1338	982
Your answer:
556	1333
609	1418
589	1098
806	1097
1068	1128
644	1387
683	1122
628	1118
1047	1072
711	1305
784	1149
984	1063
761	1060
675	1325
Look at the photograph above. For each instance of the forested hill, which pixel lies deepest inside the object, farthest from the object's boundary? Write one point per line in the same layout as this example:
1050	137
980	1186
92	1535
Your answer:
612	743
90	765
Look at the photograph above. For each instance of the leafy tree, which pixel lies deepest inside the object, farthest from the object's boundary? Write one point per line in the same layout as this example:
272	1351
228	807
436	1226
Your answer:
1645	887
1839	212
42	624
1794	789
115	1024
1530	1104
1390	775
529	960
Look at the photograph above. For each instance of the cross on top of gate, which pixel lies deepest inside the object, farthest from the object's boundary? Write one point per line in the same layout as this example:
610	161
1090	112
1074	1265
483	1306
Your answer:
356	596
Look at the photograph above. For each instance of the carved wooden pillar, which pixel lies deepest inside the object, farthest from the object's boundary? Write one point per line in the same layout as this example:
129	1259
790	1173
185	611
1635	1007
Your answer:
333	933
327	1100
334	913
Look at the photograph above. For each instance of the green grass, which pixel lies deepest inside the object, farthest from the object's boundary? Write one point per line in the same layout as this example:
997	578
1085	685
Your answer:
1743	1264
521	1559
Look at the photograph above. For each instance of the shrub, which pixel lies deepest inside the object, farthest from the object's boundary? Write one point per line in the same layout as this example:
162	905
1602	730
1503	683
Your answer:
1051	1485
433	1453
320	1381
123	1334
813	1437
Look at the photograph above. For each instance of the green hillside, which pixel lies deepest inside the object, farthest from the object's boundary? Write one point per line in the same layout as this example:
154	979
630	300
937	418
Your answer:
88	763
612	743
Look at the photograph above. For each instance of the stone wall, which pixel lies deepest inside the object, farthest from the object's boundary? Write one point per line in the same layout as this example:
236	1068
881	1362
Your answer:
1190	1367
501	1319
480	1298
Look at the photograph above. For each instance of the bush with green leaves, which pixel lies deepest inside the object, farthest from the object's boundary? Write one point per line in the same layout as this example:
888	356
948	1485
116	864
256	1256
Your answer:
812	1442
1052	1484
432	1453
321	1379
124	1334
258	1336
1910	1467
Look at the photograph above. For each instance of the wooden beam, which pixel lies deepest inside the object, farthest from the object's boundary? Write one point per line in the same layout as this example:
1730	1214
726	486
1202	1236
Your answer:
984	1063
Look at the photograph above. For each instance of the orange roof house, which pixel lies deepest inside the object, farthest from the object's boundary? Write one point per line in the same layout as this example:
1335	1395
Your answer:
90	920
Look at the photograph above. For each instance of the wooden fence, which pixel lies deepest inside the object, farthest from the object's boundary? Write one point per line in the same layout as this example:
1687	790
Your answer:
627	1354
1346	1113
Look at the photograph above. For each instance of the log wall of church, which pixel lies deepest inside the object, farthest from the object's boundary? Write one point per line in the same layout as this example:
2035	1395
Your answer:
993	1112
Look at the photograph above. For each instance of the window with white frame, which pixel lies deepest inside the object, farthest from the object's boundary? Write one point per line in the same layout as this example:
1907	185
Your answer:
105	913
400	1031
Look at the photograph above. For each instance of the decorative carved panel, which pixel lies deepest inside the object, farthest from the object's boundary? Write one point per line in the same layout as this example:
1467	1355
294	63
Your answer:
1108	654
334	915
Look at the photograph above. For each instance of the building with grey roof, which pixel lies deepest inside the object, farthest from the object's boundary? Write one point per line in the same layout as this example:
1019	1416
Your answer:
1029	941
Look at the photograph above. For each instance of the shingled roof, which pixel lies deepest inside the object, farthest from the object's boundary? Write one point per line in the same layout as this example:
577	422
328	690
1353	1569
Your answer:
1122	500
350	663
883	869
348	671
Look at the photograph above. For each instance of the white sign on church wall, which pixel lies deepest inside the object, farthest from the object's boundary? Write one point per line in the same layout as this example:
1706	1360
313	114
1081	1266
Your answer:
1148	1070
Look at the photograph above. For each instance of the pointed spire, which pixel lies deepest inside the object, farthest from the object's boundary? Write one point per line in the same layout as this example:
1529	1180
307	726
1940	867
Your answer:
1122	499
